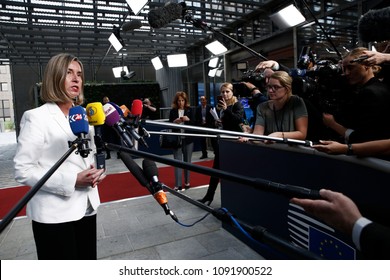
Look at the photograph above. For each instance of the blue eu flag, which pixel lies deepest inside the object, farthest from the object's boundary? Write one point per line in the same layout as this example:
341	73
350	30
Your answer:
329	247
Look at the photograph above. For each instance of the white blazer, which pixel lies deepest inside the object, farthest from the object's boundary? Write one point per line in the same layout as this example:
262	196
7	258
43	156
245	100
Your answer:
43	140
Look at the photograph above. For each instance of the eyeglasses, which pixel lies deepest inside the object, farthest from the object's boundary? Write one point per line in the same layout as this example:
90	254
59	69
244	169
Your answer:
273	87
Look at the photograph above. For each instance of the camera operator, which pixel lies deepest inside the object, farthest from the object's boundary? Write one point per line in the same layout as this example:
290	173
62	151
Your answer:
148	109
366	113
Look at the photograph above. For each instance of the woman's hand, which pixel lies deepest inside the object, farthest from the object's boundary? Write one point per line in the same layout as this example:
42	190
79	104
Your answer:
90	177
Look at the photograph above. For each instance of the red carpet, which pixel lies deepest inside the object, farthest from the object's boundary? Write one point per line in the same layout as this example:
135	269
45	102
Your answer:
114	187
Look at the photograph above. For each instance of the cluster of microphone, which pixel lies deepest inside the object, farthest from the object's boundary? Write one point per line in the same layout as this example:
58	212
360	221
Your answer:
125	122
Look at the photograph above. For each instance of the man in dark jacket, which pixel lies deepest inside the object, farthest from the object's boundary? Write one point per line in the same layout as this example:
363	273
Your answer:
204	118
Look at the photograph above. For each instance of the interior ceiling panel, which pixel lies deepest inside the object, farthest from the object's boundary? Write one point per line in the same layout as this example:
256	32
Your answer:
31	31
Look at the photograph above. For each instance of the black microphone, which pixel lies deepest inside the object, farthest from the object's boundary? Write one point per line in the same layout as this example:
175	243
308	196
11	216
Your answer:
161	17
373	25
151	173
131	25
135	170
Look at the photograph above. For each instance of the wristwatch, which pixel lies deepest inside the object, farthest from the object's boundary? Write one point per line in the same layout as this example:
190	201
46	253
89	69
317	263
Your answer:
349	149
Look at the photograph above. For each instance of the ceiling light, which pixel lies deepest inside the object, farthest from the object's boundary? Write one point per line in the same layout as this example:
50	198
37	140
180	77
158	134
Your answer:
136	5
157	64
177	60
219	73
287	17
216	48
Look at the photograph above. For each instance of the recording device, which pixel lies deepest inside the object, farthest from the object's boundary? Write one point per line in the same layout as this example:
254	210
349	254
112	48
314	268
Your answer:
161	17
113	119
131	25
96	118
373	25
151	173
79	124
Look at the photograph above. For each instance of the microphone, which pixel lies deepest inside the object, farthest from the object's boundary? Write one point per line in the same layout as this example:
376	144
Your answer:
372	25
113	119
96	118
151	173
79	124
137	107
135	170
161	17
136	113
125	110
117	108
131	25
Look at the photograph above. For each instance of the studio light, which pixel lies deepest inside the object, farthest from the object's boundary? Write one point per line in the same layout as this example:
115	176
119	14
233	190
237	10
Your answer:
219	72
157	64
136	5
287	17
212	72
177	60
118	71
216	48
213	62
116	40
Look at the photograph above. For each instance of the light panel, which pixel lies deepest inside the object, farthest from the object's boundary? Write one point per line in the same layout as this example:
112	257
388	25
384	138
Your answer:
177	60
115	42
157	64
287	17
136	5
216	48
118	70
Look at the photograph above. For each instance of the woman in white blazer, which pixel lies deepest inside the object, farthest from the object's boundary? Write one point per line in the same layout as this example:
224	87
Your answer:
63	211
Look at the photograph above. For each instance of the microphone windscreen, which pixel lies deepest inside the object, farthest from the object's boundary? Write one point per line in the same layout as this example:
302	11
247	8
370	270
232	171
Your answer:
112	116
131	25
78	120
136	107
150	169
125	110
161	17
373	25
95	113
134	169
117	108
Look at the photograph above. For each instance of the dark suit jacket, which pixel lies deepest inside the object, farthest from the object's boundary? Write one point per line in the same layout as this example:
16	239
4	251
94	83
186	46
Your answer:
375	242
174	114
209	117
368	112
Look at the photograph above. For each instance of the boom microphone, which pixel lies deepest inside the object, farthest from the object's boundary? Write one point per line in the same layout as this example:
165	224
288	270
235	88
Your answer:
161	17
151	173
96	118
79	124
135	170
113	119
131	25
373	25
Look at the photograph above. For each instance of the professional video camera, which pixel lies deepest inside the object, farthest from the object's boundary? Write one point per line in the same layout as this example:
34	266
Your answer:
256	78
